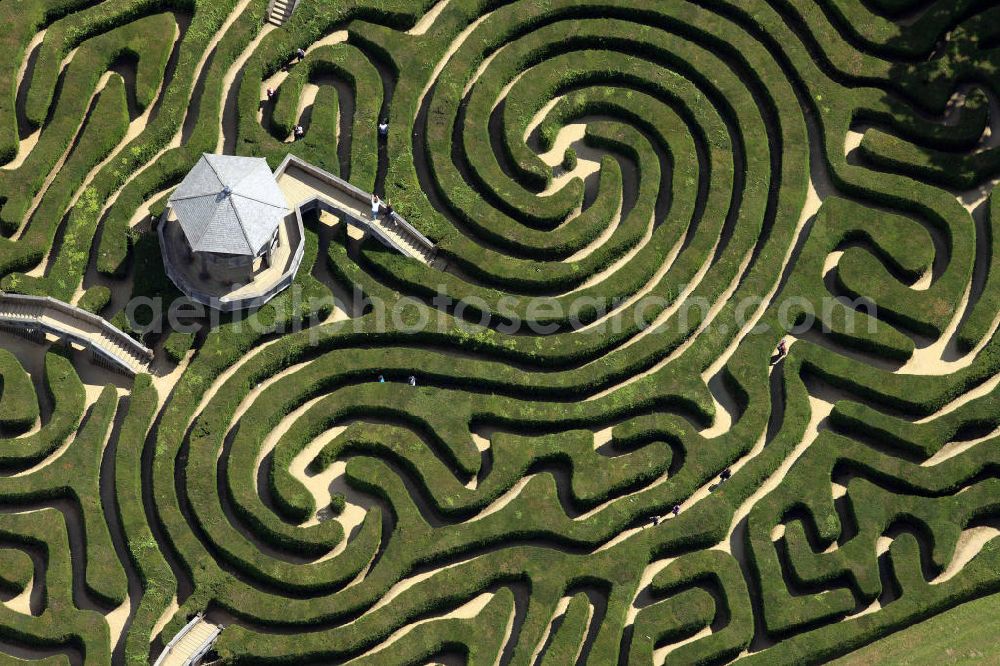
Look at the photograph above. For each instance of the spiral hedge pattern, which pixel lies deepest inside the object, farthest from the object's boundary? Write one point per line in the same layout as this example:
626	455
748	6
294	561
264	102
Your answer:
618	478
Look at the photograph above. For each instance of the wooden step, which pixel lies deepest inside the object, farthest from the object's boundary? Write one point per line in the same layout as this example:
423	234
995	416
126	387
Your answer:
281	11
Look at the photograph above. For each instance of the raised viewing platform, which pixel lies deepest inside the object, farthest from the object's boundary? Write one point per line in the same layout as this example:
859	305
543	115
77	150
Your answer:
232	234
227	295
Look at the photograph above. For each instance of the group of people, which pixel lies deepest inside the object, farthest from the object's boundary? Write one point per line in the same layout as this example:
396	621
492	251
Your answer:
298	131
412	381
379	207
675	511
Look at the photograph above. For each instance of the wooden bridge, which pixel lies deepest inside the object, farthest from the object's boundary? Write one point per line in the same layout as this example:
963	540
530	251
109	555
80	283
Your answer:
50	317
308	187
191	644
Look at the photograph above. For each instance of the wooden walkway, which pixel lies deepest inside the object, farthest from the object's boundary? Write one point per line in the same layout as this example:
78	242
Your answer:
307	187
190	644
49	316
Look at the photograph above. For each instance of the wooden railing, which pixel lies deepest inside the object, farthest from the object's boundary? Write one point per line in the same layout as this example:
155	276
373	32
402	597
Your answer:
363	199
78	325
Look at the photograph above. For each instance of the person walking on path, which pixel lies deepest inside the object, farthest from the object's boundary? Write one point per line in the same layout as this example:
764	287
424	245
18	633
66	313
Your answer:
381	379
299	132
413	380
383	128
376	206
782	349
676	510
270	93
300	54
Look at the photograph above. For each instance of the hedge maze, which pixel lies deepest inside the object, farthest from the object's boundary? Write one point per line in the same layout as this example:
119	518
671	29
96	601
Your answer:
551	491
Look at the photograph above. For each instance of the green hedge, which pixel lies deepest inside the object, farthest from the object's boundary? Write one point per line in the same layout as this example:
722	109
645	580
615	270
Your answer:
67	395
18	403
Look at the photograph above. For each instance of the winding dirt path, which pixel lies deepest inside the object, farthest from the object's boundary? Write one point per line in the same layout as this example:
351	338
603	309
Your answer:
102	83
318	484
427	20
26	143
466	611
229	95
970	543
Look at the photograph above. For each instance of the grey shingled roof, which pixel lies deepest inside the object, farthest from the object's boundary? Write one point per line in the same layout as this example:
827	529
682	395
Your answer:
229	205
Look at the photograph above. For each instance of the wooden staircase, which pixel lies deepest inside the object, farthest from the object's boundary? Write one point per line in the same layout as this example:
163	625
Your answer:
404	238
279	11
310	187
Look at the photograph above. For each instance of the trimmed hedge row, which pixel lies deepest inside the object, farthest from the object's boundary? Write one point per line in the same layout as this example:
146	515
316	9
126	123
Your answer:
22	24
61	624
153	571
18	403
692	608
74	474
16	571
68	398
95	299
708	112
90	61
104	128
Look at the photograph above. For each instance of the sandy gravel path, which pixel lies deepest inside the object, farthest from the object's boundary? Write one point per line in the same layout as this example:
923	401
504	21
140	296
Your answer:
428	19
229	97
952	449
467	611
970	543
116	620
21	603
25	144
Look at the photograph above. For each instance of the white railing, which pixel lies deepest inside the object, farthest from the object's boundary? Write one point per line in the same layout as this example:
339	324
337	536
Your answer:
206	645
176	639
364	199
32	311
